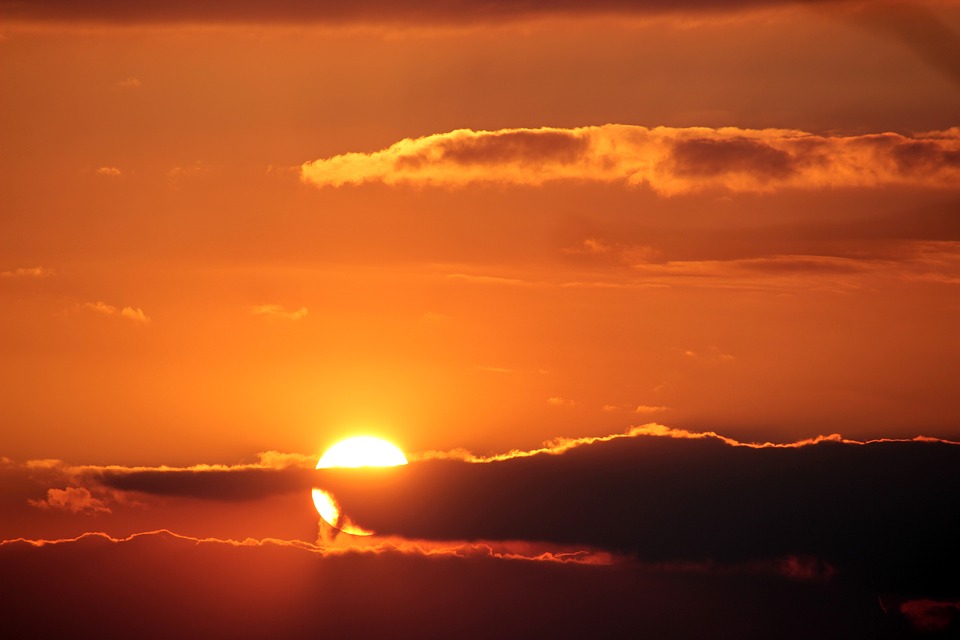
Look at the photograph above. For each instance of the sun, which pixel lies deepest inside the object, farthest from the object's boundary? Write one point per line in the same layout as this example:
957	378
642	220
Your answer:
359	451
362	451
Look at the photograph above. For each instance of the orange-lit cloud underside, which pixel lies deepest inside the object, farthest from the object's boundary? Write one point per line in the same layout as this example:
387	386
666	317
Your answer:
668	160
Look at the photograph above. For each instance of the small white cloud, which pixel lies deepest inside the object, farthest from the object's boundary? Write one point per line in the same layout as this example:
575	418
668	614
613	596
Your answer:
646	408
557	401
72	499
495	369
178	175
28	272
135	314
101	307
110	172
278	311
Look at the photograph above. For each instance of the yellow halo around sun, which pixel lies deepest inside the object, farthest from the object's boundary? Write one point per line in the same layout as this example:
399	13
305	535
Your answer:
362	451
359	451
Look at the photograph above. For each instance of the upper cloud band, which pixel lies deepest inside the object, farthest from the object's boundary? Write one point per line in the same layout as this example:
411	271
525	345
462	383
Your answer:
669	160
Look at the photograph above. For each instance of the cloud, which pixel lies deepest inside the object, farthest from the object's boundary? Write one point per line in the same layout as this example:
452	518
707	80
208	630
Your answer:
645	408
557	401
110	172
130	82
361	11
931	616
73	500
877	511
669	160
289	589
135	314
492	369
278	311
28	272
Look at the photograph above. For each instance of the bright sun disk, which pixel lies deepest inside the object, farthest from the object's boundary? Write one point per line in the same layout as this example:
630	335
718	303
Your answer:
362	451
359	451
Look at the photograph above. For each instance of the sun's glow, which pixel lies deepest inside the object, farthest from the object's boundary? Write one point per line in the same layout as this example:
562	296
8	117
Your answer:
360	451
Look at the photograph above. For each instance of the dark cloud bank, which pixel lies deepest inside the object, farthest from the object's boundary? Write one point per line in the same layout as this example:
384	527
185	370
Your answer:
159	586
884	514
423	11
827	540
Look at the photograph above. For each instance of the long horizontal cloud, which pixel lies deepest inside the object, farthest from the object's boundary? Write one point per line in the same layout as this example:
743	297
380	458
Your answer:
368	11
880	512
668	160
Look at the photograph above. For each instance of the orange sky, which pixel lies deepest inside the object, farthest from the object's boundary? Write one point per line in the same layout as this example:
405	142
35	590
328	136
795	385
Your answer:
173	291
232	236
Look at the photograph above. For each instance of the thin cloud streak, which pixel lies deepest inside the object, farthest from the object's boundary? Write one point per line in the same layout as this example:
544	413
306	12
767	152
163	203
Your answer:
351	545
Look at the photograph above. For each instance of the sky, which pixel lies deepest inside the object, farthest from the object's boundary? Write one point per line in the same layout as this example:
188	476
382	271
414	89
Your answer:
659	298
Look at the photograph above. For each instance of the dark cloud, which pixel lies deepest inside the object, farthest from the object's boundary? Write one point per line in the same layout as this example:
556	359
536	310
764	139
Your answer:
382	11
883	514
919	29
160	585
709	157
880	514
514	146
924	157
226	484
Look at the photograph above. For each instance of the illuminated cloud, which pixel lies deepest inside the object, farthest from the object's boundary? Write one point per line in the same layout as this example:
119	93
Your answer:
646	408
670	161
557	401
110	172
130	82
278	311
135	314
27	272
71	499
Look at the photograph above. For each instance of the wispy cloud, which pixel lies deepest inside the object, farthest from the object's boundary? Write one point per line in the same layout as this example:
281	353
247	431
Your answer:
73	500
130	82
279	311
110	172
27	272
134	314
668	160
647	408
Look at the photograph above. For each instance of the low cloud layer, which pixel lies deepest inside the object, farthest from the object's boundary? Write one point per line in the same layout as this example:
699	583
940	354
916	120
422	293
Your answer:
668	160
160	584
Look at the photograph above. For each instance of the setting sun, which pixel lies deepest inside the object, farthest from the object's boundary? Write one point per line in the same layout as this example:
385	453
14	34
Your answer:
362	451
359	451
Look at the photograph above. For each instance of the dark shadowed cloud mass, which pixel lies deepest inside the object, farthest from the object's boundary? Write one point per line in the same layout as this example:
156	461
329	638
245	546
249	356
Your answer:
160	585
879	513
